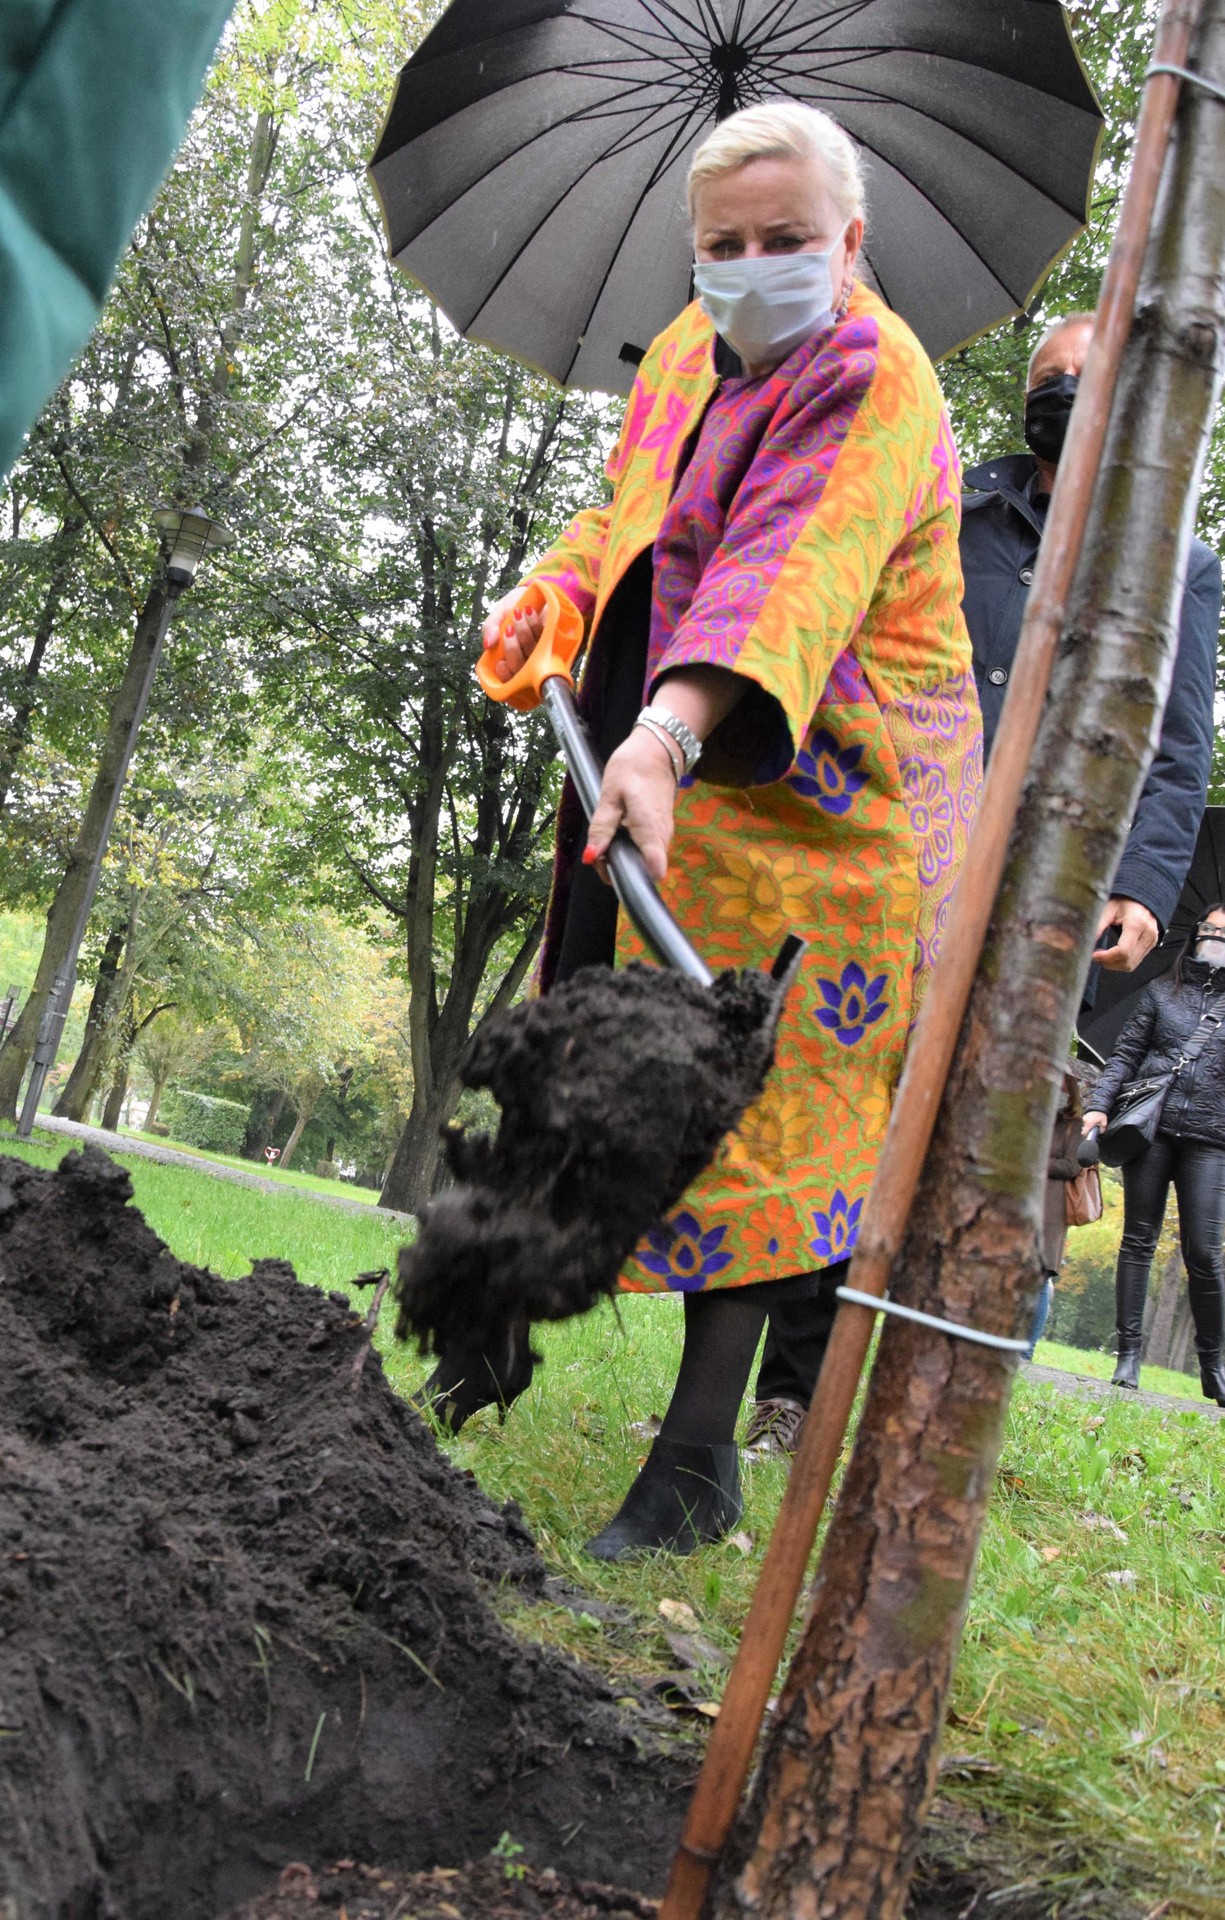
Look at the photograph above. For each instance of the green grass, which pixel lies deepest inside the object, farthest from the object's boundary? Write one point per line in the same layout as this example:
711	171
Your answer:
1100	1366
1088	1712
223	1225
288	1176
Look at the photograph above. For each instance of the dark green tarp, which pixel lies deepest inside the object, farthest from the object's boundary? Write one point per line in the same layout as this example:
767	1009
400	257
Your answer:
94	99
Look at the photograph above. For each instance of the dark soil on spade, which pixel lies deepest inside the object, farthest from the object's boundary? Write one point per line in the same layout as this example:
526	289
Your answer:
244	1609
615	1091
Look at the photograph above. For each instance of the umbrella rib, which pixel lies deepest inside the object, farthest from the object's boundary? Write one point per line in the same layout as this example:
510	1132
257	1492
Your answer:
545	217
657	174
870	98
1016	298
766	26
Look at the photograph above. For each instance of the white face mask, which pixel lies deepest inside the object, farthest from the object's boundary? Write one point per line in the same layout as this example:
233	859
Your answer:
1211	947
765	306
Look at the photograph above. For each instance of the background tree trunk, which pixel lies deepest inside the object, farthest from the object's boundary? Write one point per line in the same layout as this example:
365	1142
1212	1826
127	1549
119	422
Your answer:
850	1757
17	733
79	1088
438	1045
61	920
1171	1290
1182	1351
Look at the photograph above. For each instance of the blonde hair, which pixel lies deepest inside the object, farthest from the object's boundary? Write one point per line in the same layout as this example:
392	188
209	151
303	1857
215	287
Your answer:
779	130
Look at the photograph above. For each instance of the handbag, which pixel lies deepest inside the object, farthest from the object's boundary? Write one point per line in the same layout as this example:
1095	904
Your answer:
1082	1198
1136	1113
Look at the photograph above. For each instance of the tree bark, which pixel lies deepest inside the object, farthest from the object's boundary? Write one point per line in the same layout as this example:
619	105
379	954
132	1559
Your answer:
17	733
1182	1339
71	890
849	1764
259	1133
1169	1293
306	1107
109	1005
437	1086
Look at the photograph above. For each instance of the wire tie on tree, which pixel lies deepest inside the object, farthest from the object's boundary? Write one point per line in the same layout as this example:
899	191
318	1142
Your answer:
1185	73
881	1303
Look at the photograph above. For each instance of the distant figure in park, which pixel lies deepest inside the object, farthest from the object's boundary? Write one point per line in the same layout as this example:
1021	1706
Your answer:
777	574
1003	515
1189	1150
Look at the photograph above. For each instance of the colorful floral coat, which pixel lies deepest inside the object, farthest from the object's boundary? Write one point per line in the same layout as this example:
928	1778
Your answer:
841	809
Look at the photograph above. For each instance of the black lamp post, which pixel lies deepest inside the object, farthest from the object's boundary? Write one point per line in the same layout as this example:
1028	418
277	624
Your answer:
190	534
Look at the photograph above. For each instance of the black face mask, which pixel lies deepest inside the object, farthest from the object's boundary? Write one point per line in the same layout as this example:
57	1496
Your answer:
1047	412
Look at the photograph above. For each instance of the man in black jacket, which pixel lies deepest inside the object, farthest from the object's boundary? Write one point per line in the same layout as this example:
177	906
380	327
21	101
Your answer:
1003	514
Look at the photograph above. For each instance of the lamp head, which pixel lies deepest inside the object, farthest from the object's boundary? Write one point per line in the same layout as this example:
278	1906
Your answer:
190	534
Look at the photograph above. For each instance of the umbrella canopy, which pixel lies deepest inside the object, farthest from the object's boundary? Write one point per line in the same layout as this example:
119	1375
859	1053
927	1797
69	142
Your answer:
532	169
1117	993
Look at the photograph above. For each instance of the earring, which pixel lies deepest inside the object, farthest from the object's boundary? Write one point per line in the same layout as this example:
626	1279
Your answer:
843	307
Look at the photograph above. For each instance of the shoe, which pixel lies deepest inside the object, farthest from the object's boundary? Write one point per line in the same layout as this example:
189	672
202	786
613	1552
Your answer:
1127	1372
774	1429
466	1380
1212	1376
683	1497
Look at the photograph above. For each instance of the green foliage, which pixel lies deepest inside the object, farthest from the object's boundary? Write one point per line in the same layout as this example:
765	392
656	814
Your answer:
202	1120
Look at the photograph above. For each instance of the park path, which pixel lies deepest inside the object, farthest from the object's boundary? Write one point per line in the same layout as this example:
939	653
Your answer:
1094	1389
170	1157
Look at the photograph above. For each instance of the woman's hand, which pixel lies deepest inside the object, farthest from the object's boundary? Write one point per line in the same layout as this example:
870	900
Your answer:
1092	1120
518	642
638	793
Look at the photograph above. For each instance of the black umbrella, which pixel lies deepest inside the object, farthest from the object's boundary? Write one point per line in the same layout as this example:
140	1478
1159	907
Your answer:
1116	993
532	169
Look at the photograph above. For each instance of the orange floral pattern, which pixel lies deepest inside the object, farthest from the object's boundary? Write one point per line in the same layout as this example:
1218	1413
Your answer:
847	615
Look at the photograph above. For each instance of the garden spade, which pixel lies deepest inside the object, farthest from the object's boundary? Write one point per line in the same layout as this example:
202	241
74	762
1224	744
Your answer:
615	1089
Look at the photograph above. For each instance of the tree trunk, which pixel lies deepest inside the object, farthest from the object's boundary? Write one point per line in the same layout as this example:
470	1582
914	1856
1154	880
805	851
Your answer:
112	1112
71	890
155	1101
849	1764
1182	1339
1169	1293
17	733
300	1125
436	1057
259	1133
79	1088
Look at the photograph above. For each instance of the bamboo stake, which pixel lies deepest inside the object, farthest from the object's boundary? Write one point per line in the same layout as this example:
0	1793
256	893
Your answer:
733	1737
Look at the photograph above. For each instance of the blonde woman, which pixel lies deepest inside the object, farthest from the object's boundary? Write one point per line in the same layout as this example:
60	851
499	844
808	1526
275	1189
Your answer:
779	676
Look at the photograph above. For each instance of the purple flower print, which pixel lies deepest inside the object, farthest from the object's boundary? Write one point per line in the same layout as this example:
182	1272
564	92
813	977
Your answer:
853	1003
680	1253
932	816
837	1230
828	773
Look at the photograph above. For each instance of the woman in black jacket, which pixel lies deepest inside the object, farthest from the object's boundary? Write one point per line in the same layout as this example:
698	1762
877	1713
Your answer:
1189	1150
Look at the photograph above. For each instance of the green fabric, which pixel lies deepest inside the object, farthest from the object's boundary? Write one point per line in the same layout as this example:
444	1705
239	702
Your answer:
94	99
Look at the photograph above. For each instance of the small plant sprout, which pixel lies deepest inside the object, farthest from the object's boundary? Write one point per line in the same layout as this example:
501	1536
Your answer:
507	1853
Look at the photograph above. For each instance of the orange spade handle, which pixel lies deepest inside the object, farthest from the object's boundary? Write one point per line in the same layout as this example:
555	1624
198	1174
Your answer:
550	659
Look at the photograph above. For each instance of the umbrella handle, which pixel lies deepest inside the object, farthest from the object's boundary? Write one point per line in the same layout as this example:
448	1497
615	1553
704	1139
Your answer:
551	658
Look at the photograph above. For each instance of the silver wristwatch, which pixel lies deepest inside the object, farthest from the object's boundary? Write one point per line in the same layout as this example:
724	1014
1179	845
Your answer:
659	719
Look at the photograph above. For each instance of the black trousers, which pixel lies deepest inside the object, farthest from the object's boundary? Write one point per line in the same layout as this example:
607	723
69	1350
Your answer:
1197	1173
796	1338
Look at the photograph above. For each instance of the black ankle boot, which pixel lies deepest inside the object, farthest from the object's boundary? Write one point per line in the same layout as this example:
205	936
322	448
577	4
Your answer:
465	1380
683	1496
1127	1372
1212	1376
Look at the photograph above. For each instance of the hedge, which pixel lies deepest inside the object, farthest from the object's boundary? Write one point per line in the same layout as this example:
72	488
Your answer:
201	1120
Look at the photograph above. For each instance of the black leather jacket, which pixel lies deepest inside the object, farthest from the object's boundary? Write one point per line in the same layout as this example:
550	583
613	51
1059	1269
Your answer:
1165	1018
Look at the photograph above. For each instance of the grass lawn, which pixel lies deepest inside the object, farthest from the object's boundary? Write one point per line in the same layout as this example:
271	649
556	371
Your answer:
1089	1704
1100	1366
288	1177
224	1225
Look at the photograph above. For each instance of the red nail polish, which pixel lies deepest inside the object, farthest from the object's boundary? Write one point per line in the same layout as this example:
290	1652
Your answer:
590	856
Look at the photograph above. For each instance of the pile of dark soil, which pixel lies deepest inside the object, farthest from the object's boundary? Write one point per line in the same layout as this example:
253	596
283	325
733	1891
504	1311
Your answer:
493	1889
616	1089
244	1612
